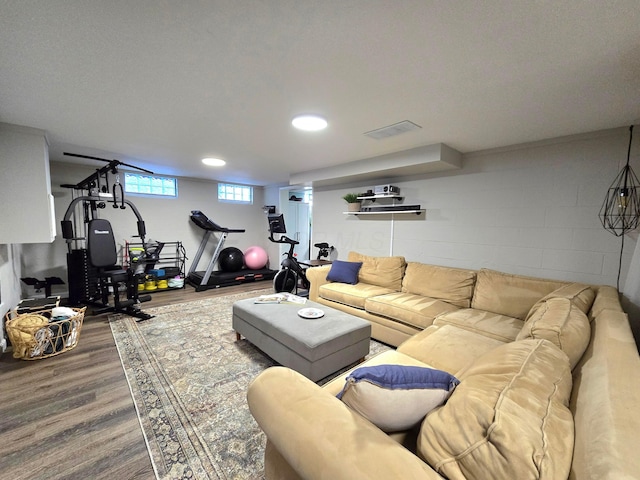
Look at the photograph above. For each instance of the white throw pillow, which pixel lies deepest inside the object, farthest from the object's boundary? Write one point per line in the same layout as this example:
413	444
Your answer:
396	397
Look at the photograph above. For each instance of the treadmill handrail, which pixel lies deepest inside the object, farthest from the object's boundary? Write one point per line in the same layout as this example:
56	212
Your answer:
204	222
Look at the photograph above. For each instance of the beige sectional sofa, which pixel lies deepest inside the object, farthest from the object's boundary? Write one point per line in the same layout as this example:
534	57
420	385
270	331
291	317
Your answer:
549	381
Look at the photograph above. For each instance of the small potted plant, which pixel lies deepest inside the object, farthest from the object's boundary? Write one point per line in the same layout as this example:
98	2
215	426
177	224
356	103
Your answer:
353	202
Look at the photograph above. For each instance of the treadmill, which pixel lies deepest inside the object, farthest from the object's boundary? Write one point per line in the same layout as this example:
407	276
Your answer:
210	278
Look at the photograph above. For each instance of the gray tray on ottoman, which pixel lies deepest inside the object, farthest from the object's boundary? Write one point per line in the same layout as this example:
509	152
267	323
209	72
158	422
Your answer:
314	347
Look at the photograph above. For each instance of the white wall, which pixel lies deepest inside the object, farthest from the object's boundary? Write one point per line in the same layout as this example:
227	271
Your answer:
166	220
530	209
9	283
631	291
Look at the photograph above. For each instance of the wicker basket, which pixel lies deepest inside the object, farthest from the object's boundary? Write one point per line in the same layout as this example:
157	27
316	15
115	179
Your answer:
34	336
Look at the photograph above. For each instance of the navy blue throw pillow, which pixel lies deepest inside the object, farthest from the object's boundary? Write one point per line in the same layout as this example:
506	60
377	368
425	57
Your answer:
344	272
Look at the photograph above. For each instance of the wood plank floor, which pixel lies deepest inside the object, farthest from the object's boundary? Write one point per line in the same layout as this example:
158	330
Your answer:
72	416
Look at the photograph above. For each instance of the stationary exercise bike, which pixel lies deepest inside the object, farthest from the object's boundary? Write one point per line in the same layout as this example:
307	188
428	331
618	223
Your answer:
293	273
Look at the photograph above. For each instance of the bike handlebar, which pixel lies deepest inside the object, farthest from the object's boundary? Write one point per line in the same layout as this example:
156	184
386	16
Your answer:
283	239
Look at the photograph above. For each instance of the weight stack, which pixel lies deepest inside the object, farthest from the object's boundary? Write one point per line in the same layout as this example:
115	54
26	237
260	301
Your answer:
82	277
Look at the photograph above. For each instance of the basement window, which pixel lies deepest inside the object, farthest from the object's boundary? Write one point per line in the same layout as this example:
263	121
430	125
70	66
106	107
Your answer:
228	192
150	185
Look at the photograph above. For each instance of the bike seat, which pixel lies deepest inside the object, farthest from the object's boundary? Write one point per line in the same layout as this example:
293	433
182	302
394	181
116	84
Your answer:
321	245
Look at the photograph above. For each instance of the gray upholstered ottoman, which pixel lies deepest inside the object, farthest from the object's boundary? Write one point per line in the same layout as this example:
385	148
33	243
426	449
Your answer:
314	347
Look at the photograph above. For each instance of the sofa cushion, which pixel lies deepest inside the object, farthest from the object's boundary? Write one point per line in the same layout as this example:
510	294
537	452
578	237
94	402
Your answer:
561	322
452	285
507	294
414	310
396	397
352	295
434	345
508	416
381	271
493	325
582	296
344	272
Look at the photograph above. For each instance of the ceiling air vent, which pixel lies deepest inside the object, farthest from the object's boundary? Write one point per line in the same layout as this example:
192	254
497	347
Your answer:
393	130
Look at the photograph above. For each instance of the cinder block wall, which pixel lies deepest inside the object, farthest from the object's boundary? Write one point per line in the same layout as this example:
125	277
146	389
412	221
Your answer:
529	209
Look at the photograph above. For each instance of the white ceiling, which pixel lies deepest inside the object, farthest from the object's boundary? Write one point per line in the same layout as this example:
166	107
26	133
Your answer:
163	83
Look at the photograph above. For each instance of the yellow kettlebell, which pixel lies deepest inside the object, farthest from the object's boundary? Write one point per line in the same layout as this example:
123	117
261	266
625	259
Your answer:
150	284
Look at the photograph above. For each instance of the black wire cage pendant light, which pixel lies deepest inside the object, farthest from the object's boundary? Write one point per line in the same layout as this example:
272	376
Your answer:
620	212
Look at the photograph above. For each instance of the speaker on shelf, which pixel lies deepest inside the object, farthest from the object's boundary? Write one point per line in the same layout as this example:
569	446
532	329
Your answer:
385	190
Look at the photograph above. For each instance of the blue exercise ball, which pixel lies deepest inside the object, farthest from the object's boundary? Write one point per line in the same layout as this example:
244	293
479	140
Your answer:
231	259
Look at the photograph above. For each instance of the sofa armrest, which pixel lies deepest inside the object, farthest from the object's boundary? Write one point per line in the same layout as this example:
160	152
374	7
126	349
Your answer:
604	402
317	276
320	437
607	298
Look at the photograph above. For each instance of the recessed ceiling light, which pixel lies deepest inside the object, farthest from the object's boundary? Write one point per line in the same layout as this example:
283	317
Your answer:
213	162
309	123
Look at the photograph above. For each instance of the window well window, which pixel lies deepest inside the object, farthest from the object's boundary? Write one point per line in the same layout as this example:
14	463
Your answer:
150	185
235	193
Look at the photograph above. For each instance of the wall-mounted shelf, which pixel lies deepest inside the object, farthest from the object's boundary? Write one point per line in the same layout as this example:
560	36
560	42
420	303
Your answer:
389	212
389	207
373	198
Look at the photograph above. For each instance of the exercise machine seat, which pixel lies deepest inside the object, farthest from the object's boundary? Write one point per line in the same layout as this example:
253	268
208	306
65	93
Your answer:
103	255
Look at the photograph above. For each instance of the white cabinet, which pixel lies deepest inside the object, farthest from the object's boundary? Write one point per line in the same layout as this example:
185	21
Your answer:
26	203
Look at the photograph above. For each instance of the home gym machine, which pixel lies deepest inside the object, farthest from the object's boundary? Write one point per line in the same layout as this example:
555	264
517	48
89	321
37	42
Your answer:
92	260
204	280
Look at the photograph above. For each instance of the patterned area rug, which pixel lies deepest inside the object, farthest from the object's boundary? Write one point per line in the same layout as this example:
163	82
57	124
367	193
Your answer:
188	378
